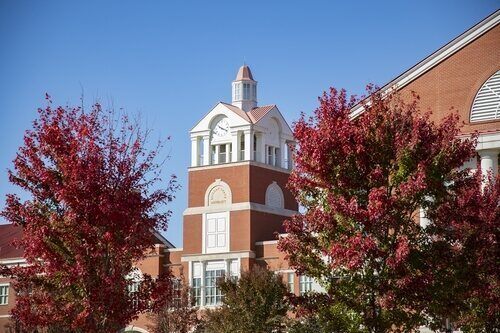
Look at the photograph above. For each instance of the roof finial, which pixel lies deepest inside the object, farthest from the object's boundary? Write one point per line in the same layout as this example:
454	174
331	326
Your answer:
244	61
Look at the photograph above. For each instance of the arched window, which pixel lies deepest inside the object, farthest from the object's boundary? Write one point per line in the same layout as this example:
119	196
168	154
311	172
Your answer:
274	196
486	105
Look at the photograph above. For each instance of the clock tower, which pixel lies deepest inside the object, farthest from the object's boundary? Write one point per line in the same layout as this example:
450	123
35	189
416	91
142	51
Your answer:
237	195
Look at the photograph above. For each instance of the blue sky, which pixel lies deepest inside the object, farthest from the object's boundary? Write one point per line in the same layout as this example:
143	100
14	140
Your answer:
171	61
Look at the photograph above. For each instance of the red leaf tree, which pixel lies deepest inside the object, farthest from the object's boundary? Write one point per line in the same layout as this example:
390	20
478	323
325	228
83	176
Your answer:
94	198
362	183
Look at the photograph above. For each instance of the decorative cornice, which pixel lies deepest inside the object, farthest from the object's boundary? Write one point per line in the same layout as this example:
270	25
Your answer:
218	256
236	164
238	207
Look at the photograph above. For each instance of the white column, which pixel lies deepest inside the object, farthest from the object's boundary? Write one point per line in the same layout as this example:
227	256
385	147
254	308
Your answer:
262	148
283	148
235	142
194	151
202	287
248	145
206	150
216	157
227	263
489	162
228	152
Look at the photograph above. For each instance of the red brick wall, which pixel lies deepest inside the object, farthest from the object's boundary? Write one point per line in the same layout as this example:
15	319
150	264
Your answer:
192	234
455	81
247	183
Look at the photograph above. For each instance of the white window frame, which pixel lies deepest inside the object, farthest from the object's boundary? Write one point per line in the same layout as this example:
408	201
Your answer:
206	232
305	284
290	279
218	273
4	297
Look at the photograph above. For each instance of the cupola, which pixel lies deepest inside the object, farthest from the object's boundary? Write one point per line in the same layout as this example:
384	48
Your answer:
244	89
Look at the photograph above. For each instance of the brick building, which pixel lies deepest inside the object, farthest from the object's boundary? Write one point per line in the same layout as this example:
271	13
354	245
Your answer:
240	162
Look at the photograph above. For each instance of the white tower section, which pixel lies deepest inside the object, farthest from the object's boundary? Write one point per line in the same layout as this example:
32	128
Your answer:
244	90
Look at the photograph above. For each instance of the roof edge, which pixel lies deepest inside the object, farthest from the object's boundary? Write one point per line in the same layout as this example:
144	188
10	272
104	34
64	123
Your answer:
437	56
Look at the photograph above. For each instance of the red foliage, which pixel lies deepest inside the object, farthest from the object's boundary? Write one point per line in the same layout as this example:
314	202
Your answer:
94	198
362	182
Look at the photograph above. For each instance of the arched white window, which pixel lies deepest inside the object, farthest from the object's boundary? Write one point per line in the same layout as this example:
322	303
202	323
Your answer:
274	196
486	105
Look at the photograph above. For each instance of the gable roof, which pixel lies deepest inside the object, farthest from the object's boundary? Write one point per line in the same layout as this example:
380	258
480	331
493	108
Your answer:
9	232
438	56
237	110
258	113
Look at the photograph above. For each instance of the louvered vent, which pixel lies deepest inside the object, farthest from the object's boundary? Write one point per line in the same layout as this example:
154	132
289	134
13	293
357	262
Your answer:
486	105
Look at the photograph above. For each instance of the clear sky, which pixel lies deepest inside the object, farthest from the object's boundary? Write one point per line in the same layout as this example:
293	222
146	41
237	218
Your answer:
171	61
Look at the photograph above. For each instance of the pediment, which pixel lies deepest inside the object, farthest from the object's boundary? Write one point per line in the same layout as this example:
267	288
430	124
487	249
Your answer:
235	117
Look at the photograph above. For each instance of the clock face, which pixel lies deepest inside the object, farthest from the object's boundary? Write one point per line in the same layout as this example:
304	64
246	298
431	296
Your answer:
221	128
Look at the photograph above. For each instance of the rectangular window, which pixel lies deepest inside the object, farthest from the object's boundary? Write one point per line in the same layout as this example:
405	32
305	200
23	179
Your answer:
216	232
271	155
246	90
222	154
4	294
305	284
237	94
255	152
196	290
213	155
242	147
291	285
133	290
213	294
176	293
196	284
201	146
234	269
277	155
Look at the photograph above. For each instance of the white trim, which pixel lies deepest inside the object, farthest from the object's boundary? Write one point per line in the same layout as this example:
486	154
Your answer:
218	256
8	292
488	141
13	261
226	248
225	187
133	328
175	249
269	242
235	164
438	56
5	316
240	206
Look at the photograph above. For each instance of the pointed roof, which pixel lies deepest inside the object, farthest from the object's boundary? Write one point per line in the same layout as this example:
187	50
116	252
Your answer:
244	74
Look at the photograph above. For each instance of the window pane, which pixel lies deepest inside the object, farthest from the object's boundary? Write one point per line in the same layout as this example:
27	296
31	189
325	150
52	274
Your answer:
221	224
211	225
211	240
221	240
